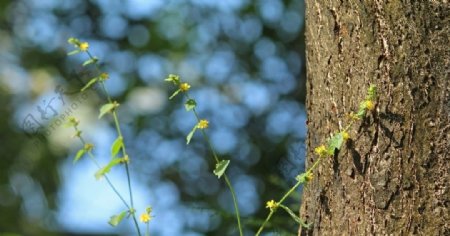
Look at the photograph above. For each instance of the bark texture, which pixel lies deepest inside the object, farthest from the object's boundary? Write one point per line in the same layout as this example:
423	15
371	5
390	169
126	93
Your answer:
392	177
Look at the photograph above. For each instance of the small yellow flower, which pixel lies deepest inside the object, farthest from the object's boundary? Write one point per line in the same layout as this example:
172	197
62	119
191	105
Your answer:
272	205
185	87
145	217
104	76
83	46
203	124
369	105
345	135
321	150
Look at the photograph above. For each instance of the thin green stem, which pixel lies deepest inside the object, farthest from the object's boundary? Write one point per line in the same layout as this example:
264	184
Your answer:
227	181
287	195
279	202
349	125
264	223
314	165
124	152
236	207
92	158
205	136
133	211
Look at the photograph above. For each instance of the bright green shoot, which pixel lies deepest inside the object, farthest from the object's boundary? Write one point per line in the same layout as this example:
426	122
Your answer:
202	124
118	147
323	151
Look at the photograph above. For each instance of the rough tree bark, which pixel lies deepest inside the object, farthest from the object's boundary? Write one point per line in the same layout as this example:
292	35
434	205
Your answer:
392	177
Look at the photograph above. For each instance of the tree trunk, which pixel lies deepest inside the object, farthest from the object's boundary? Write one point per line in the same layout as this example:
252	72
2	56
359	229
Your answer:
392	176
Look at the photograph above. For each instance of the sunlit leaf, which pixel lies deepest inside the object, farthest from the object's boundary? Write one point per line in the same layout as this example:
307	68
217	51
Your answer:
104	170
301	178
334	143
105	109
116	146
80	153
361	110
73	41
175	94
190	104
221	167
116	219
189	136
90	61
68	125
89	84
73	52
372	92
175	79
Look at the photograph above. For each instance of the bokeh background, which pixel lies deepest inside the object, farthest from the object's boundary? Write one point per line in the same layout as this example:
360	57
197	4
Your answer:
245	61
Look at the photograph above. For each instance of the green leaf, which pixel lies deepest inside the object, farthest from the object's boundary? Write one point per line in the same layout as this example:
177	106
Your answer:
361	114
90	61
68	125
335	142
116	219
189	136
362	110
221	167
301	178
73	52
89	84
190	104
175	79
105	109
104	170
116	146
372	92
175	94
294	216
80	153
73	41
